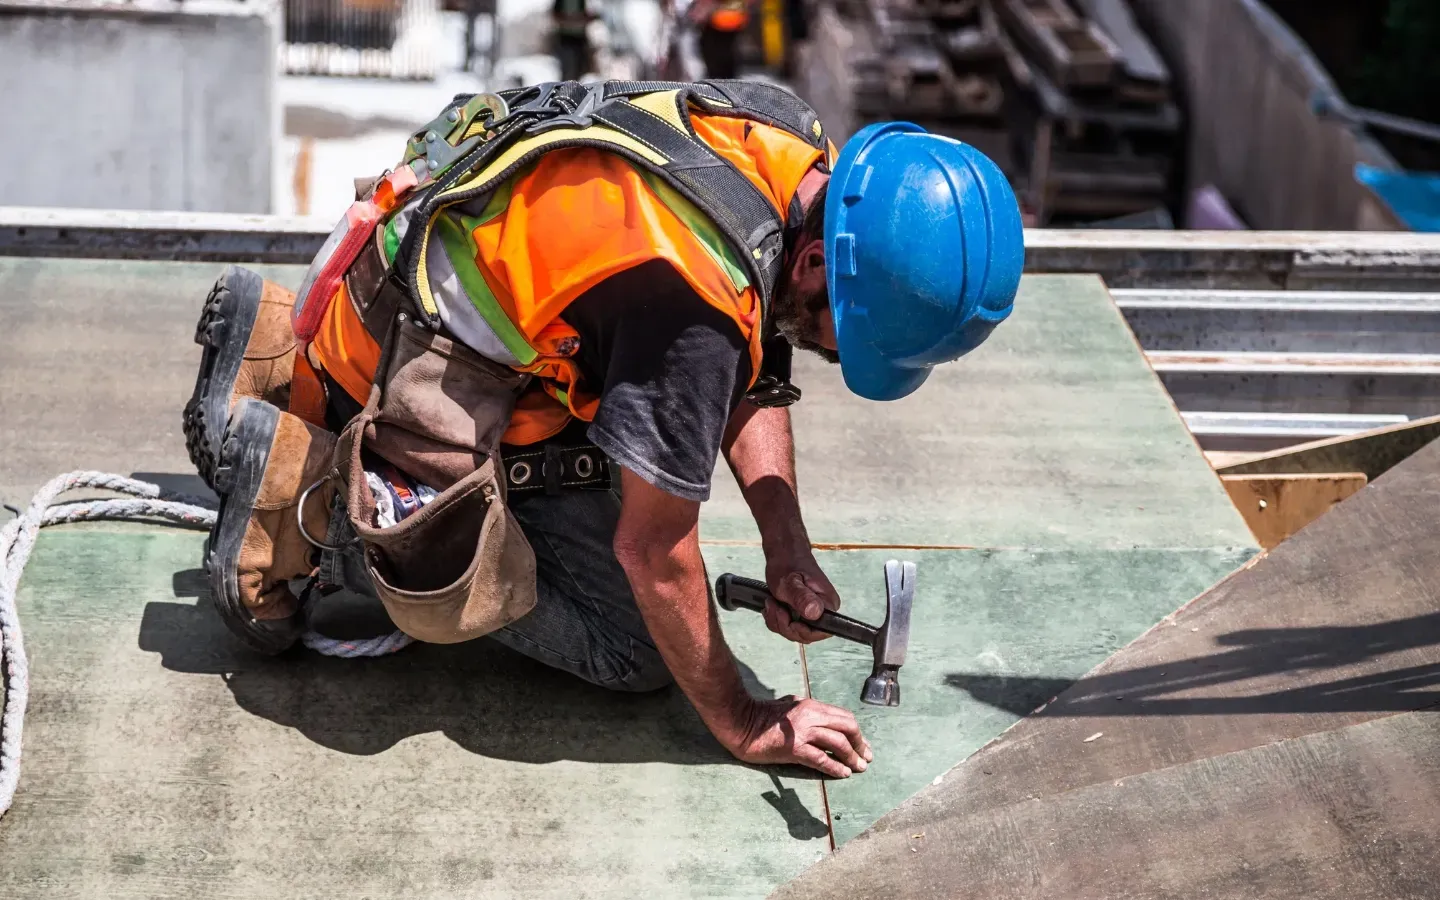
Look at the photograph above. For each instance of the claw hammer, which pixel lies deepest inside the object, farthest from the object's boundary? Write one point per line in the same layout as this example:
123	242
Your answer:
887	642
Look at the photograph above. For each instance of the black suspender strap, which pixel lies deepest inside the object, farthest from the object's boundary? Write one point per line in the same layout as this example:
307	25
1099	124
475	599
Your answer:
746	217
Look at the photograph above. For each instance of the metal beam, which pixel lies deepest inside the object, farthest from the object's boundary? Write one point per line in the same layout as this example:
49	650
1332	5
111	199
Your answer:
126	234
1274	260
1285	321
1236	431
1313	383
1175	259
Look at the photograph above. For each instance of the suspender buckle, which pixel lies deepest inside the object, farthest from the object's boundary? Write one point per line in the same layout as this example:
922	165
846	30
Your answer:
581	118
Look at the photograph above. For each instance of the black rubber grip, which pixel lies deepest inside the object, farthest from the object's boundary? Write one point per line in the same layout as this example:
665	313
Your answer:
737	592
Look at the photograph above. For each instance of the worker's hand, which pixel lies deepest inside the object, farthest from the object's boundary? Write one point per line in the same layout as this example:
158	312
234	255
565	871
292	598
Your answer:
799	585
808	732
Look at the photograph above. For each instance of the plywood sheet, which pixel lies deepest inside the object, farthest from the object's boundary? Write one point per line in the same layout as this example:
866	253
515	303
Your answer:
995	615
1331	816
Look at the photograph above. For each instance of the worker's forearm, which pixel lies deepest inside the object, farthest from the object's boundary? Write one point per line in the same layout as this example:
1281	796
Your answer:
670	589
761	452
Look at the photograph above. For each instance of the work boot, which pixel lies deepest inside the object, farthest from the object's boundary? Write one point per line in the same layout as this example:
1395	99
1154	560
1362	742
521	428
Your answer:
249	352
268	460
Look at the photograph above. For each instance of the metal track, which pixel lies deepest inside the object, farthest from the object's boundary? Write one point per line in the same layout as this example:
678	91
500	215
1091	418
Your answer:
1368	261
1329	383
1259	432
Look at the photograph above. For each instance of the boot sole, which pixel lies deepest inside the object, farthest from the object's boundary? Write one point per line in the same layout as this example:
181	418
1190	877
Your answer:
242	460
223	332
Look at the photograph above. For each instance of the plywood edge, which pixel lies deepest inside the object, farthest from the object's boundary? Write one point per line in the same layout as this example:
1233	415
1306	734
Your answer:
1276	506
1373	452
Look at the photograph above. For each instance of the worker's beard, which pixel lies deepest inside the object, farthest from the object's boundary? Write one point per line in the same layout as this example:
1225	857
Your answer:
798	319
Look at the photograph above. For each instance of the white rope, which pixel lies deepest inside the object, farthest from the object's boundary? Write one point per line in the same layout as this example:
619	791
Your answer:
17	539
380	646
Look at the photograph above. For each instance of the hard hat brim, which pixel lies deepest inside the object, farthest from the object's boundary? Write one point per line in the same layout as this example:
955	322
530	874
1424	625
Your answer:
869	374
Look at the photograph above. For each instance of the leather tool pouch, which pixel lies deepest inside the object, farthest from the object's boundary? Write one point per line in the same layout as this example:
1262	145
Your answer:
460	567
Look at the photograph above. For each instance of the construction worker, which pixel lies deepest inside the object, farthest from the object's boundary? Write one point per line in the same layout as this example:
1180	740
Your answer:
581	316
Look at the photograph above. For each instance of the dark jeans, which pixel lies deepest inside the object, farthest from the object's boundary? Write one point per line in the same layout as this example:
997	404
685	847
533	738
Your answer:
585	620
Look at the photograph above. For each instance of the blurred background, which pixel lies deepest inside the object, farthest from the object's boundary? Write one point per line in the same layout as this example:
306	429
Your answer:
1214	114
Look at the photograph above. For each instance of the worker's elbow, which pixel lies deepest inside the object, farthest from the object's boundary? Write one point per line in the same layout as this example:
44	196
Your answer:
649	554
657	536
638	552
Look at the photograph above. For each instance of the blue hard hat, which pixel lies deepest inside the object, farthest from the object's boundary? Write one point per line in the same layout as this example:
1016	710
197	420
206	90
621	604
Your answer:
923	251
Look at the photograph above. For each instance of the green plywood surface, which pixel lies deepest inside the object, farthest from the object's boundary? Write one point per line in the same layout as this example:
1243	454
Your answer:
987	614
163	761
1054	433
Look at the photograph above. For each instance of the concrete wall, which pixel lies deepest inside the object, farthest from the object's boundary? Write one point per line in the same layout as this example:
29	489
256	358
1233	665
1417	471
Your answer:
1247	83
139	107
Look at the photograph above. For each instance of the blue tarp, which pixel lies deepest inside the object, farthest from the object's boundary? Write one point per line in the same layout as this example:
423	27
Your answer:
1413	196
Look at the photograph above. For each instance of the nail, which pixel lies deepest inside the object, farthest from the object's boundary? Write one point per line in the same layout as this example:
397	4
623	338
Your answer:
861	766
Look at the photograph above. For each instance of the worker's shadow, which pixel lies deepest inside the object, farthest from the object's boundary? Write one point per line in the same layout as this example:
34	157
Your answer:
1378	667
487	698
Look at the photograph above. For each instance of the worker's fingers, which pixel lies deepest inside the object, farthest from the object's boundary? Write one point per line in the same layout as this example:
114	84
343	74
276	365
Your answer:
821	585
812	756
781	620
851	730
839	745
777	619
842	720
800	593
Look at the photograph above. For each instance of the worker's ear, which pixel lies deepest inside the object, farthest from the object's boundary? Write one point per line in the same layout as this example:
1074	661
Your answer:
809	263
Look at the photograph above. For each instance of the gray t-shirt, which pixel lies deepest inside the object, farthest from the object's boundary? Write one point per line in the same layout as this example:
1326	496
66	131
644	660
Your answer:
669	369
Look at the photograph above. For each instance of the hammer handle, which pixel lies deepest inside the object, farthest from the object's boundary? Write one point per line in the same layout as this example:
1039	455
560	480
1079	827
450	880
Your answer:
736	592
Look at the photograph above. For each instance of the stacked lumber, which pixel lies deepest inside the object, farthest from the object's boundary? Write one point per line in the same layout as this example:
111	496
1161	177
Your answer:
1104	132
945	64
1072	101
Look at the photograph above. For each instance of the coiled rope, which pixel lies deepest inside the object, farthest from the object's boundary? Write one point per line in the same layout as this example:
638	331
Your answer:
146	502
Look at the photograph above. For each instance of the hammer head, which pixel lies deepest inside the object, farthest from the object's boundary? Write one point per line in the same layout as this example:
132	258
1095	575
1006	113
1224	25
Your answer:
882	688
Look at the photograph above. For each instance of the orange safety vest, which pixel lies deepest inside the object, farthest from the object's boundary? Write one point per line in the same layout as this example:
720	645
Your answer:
567	222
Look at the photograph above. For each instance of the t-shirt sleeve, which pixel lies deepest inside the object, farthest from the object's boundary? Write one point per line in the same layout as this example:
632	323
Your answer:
672	369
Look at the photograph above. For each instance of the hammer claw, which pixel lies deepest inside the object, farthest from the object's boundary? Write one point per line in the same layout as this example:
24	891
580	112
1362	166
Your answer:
894	637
